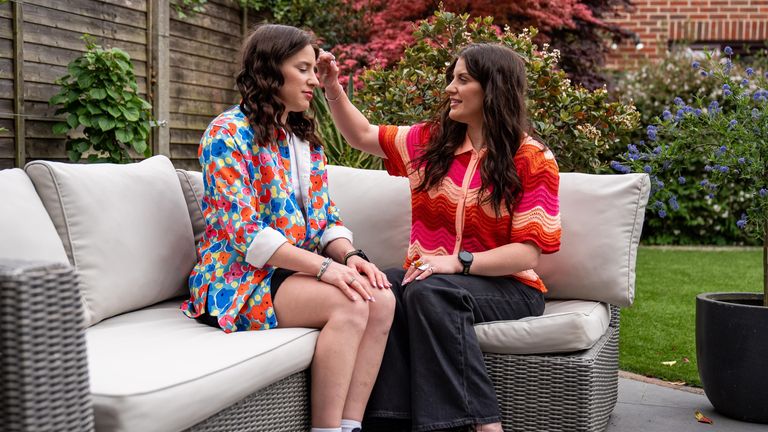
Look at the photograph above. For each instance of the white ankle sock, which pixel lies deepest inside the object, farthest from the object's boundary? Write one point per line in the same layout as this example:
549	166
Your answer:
349	425
314	429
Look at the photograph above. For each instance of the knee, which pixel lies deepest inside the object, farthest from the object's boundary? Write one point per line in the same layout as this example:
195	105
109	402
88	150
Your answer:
429	295
351	315
419	292
382	311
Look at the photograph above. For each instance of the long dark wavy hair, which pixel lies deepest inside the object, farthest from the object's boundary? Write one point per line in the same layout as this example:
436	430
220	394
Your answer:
259	80
501	73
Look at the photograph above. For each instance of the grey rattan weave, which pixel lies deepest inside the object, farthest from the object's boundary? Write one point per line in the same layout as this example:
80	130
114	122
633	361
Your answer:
280	407
44	378
559	392
43	365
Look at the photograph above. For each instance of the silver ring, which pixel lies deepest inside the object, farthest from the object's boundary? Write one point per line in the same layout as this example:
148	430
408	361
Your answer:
432	269
424	267
351	281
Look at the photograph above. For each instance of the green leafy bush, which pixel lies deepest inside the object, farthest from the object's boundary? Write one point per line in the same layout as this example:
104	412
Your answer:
100	94
653	85
579	125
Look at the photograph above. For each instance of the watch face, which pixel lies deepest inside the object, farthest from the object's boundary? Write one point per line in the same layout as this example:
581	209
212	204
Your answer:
465	256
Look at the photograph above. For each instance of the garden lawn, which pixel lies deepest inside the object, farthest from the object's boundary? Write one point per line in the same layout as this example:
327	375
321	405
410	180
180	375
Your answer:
661	325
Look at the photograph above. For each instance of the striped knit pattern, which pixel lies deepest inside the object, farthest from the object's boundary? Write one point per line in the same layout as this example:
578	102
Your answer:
450	218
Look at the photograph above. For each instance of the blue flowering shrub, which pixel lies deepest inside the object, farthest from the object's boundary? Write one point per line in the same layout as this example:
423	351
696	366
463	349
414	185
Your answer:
659	90
711	152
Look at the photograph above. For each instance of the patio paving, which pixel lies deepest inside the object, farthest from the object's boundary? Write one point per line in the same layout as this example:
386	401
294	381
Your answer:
647	405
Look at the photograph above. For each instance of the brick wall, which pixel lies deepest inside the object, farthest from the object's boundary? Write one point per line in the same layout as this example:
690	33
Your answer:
659	22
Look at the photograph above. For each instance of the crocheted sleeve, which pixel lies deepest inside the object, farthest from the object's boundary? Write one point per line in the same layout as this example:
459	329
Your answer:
536	218
401	145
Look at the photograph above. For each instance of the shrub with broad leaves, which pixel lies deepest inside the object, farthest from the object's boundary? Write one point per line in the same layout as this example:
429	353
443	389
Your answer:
99	93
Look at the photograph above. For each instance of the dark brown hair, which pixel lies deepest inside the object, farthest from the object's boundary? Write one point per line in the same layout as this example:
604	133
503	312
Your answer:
501	73
259	80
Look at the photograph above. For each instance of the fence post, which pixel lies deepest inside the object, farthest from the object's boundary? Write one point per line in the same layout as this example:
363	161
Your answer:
243	21
18	84
160	75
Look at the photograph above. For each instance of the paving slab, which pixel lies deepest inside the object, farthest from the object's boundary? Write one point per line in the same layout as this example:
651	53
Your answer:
645	406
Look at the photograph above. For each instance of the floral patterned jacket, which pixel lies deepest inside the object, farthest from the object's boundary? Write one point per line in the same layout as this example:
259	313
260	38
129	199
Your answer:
248	191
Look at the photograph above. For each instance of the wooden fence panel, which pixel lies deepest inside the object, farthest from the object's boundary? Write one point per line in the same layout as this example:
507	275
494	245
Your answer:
7	140
202	52
203	58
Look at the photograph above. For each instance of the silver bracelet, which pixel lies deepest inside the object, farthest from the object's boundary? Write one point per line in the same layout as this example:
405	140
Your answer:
341	92
324	267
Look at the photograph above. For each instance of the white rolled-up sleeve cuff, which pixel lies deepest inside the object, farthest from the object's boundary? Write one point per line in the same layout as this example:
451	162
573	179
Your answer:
263	246
333	233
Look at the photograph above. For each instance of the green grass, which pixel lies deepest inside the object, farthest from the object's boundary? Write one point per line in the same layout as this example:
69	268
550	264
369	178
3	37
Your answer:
660	326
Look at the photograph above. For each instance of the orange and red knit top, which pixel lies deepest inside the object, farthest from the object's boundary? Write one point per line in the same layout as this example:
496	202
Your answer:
450	217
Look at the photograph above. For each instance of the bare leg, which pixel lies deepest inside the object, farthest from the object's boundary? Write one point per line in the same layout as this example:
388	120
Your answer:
490	427
369	354
305	302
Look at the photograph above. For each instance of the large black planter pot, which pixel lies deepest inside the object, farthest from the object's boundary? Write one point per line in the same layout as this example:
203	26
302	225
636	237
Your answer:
732	353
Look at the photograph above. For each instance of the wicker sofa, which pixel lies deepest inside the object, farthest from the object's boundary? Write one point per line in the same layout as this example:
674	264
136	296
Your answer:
93	266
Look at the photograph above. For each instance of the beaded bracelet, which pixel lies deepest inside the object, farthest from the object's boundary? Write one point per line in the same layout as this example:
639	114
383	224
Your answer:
324	267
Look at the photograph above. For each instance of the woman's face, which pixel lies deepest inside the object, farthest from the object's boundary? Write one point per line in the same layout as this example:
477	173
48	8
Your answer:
466	96
299	80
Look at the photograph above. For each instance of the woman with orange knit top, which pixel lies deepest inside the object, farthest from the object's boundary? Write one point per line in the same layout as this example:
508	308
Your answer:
484	197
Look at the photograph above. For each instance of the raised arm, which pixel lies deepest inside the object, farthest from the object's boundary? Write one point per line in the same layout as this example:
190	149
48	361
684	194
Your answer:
352	124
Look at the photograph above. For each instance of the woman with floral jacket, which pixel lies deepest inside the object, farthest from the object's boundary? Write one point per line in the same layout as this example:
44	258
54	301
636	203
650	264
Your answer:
271	225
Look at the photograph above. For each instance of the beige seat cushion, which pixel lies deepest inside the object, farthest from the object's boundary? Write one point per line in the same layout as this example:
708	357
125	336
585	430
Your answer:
125	228
26	231
602	218
157	370
565	326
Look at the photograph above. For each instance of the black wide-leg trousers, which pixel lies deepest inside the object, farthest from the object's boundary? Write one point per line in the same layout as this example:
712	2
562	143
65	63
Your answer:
433	374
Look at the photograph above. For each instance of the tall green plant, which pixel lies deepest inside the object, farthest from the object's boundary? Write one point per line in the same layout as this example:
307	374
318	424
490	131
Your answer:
100	95
578	124
336	148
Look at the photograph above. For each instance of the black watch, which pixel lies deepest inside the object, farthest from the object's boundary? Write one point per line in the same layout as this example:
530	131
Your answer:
466	258
358	252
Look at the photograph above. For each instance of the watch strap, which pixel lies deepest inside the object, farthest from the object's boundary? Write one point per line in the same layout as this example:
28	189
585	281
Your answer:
358	252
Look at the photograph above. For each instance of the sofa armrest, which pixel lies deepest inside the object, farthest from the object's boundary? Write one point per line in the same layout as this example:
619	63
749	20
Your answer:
43	360
615	316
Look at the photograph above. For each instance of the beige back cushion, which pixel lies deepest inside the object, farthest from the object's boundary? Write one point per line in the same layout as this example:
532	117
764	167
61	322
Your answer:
377	208
602	218
374	205
26	231
192	186
125	228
